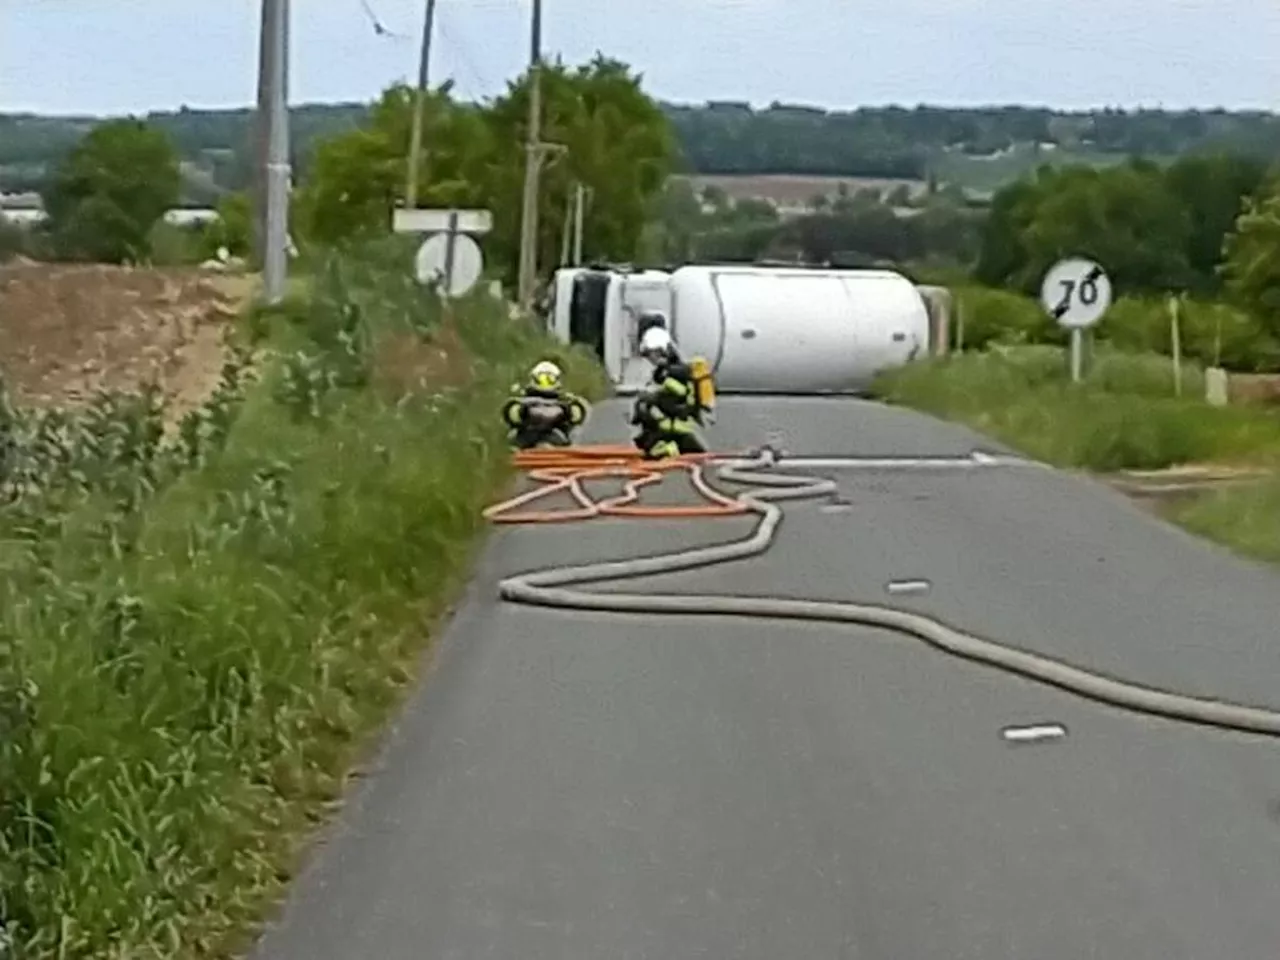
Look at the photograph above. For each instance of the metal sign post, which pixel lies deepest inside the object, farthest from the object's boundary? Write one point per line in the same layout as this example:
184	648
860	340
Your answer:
1076	293
1175	341
450	250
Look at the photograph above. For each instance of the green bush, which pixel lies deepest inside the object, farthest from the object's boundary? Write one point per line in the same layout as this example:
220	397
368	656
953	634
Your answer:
1124	416
14	240
999	316
196	631
172	245
1210	332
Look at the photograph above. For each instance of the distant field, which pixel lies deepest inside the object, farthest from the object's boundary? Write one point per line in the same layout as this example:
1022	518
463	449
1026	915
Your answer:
794	190
978	174
986	174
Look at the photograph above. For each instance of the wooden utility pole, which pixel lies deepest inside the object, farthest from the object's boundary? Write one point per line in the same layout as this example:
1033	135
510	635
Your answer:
566	235
419	108
579	221
532	168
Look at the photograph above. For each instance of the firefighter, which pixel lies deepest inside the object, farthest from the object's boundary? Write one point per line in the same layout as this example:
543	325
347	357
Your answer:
648	320
543	414
667	411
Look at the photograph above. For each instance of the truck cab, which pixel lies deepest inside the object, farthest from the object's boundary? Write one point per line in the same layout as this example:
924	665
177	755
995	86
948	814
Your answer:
600	307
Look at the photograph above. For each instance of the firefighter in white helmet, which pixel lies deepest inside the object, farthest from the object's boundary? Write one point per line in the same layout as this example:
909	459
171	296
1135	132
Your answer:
667	411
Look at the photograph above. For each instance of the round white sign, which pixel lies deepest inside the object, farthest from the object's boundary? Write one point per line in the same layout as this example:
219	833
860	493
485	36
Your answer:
468	262
1076	292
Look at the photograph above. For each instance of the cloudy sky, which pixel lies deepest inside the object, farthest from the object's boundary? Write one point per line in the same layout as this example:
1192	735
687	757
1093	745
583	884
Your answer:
107	56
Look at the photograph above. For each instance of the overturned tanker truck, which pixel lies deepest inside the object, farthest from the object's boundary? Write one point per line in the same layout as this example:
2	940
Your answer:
763	329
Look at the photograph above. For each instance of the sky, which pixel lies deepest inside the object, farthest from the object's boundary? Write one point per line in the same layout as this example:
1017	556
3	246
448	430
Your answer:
123	56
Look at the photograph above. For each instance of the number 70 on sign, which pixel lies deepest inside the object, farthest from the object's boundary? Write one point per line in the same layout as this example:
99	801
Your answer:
1076	293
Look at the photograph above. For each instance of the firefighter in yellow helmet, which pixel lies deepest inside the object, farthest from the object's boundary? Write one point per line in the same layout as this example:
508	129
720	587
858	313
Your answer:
543	413
667	411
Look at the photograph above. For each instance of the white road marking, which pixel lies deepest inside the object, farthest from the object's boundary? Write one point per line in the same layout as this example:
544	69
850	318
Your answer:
908	586
975	460
1035	733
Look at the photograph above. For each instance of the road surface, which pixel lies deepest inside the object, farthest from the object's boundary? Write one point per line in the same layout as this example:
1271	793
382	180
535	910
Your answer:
586	787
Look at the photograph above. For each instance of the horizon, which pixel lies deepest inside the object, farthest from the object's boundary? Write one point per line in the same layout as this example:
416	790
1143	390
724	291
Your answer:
762	106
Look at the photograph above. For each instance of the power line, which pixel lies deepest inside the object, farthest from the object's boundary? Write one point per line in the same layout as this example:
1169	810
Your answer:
378	27
461	48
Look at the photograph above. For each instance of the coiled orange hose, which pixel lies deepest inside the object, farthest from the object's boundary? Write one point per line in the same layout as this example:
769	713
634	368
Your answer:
566	469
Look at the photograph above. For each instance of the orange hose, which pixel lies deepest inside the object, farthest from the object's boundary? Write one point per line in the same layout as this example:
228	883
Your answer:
565	469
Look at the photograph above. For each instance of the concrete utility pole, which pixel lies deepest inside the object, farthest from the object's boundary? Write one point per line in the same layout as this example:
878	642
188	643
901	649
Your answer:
533	167
276	175
262	136
419	107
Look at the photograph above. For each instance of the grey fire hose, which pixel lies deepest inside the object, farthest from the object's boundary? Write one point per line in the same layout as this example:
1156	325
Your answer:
551	588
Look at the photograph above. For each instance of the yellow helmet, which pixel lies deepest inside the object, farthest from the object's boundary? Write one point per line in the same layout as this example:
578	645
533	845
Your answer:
545	376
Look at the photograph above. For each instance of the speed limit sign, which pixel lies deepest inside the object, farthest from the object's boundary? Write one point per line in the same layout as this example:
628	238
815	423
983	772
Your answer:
1076	292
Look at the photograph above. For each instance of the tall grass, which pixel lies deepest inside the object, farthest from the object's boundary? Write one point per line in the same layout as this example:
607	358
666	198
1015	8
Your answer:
1245	518
1125	416
196	632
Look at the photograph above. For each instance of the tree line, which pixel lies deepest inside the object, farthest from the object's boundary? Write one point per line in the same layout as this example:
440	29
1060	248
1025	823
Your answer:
854	228
106	197
1156	228
907	142
1205	229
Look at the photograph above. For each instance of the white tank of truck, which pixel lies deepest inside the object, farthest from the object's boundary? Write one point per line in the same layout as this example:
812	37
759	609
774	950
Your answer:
795	329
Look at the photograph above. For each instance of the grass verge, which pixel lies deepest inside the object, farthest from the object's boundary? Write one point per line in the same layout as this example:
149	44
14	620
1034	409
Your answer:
197	633
1245	518
1125	416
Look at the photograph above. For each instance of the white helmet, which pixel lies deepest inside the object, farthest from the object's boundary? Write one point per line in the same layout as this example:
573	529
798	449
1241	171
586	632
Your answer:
656	343
545	376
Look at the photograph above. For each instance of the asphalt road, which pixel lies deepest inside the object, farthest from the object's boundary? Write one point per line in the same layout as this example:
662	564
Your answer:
581	787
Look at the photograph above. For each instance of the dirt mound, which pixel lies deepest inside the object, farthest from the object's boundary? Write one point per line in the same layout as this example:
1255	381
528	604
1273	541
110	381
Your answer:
69	331
1256	388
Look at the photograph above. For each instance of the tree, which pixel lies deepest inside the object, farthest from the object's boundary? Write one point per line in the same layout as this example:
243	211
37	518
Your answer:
1155	228
1213	189
356	179
1002	252
1125	217
1252	263
674	222
233	230
109	192
617	143
880	234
